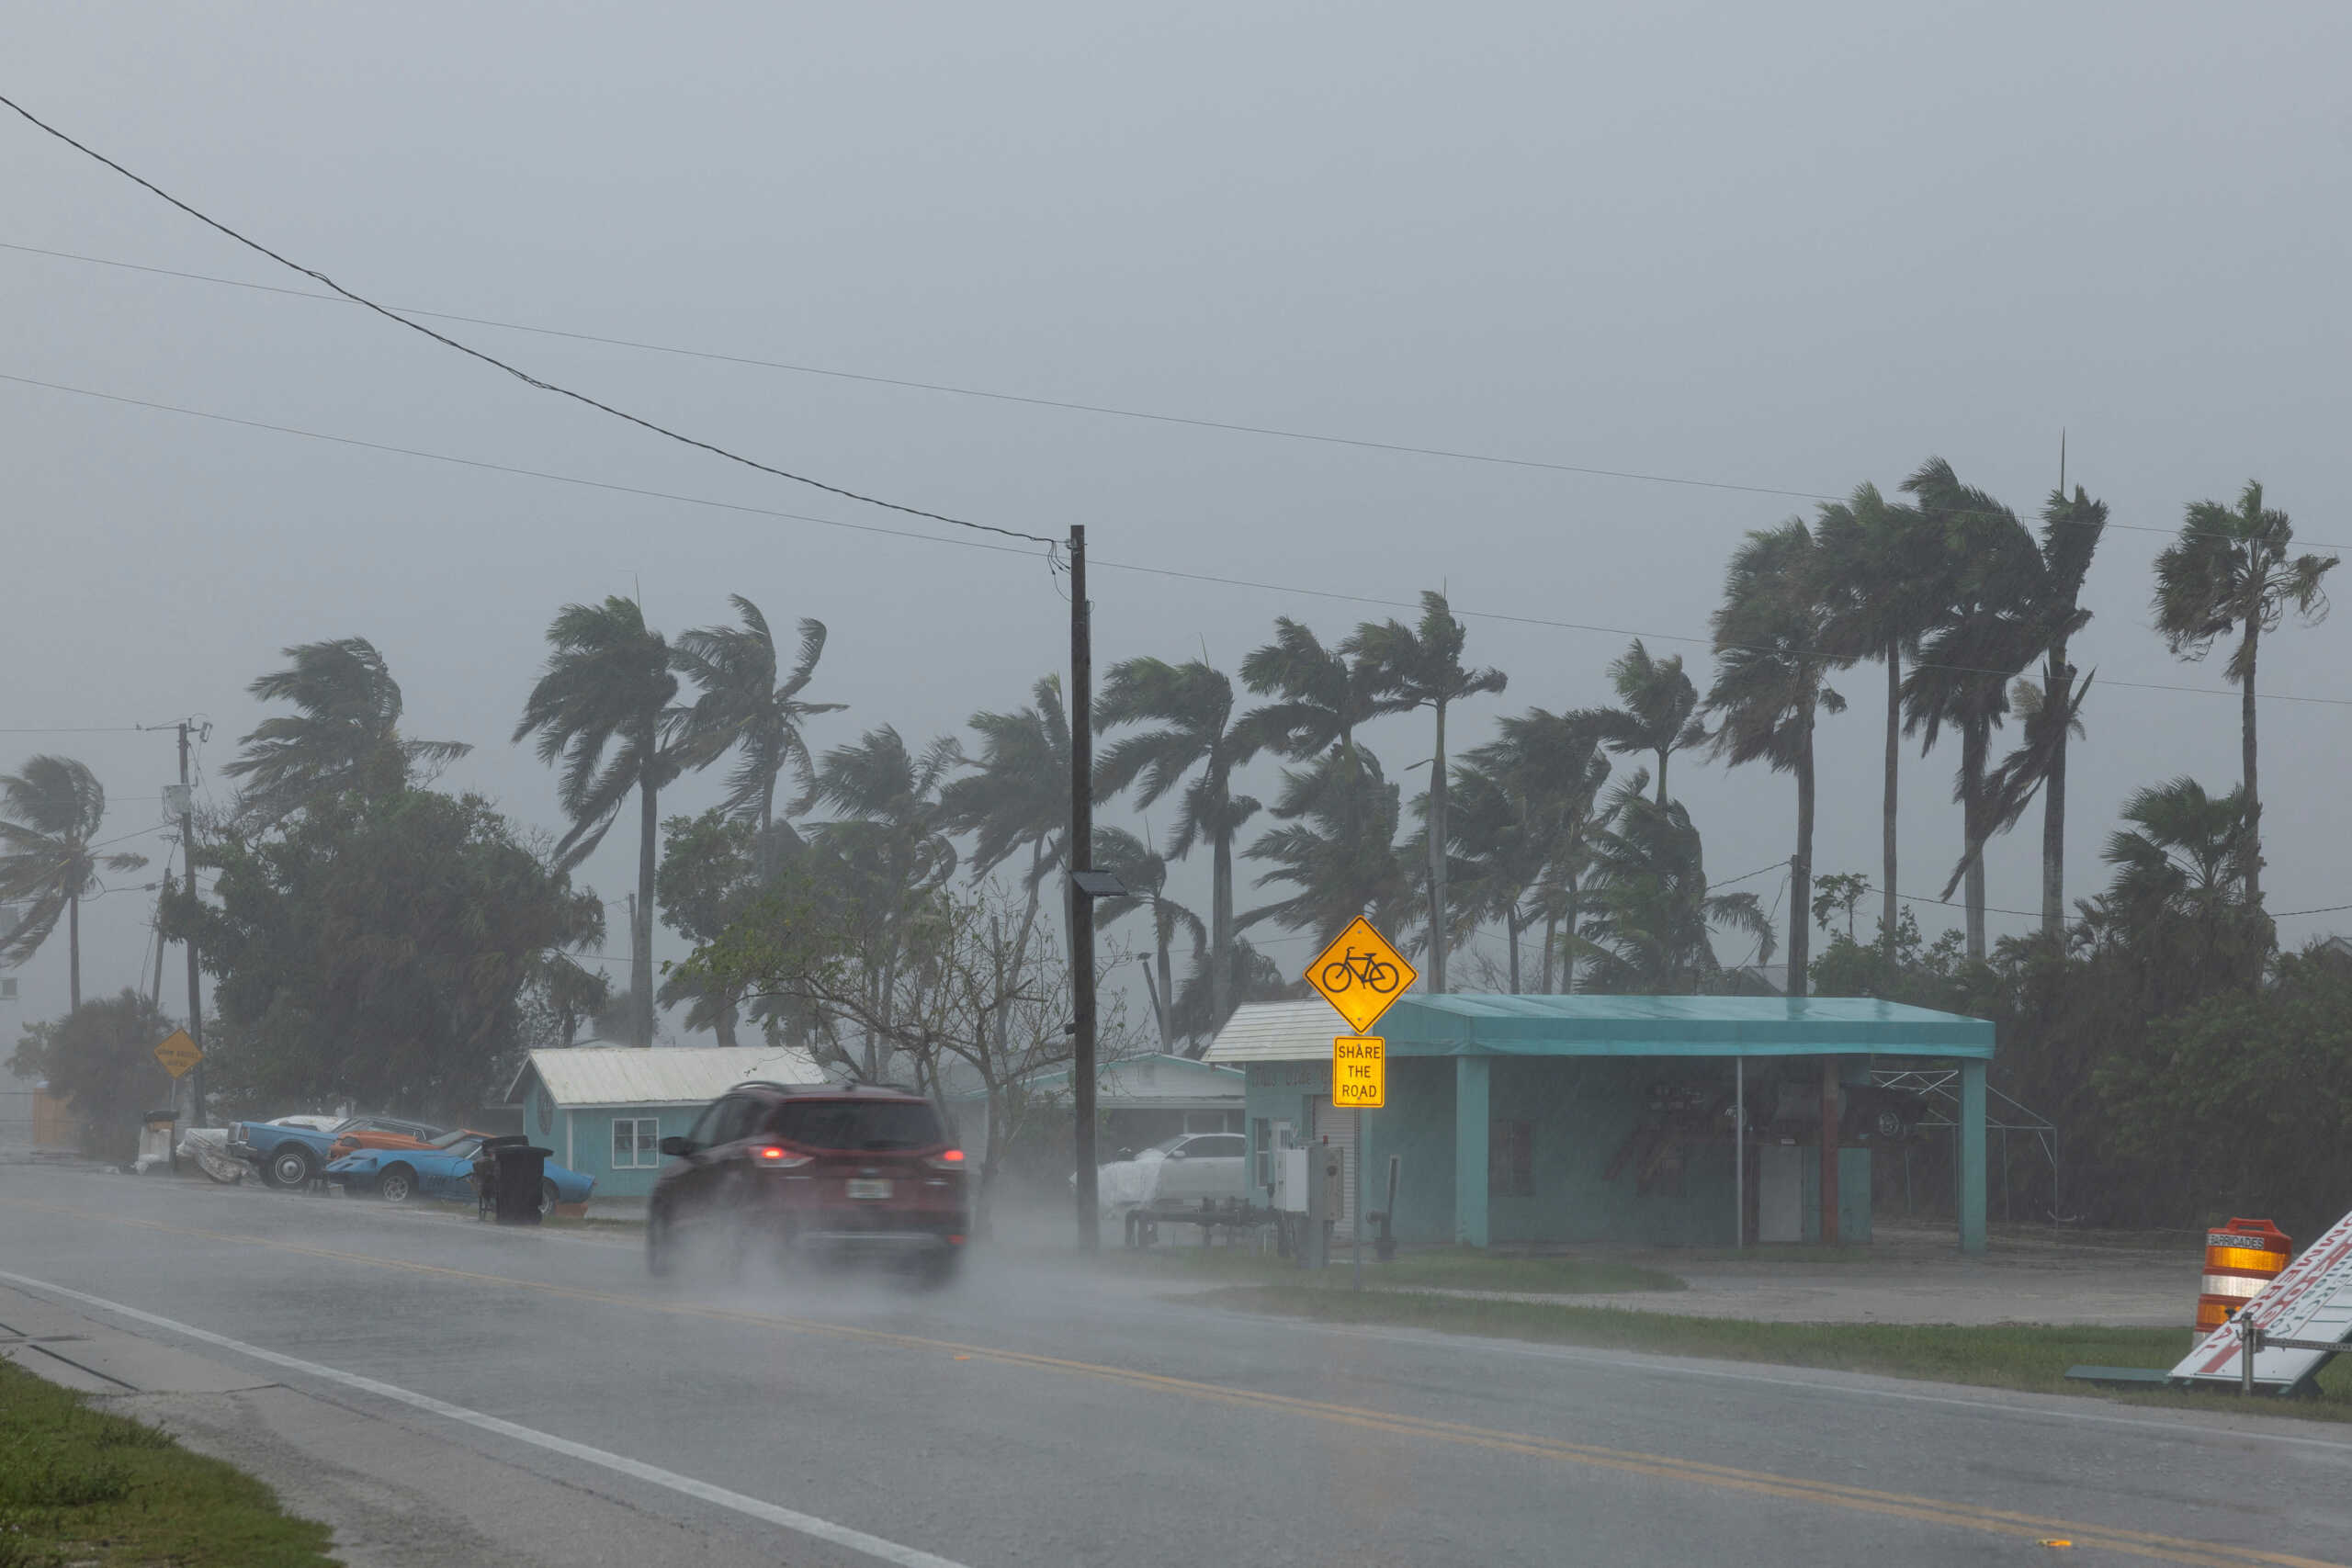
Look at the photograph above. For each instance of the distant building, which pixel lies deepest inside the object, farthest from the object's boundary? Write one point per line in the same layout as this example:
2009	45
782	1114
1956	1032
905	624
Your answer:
603	1109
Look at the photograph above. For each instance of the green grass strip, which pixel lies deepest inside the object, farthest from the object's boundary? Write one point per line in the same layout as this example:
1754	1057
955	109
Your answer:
2026	1357
1466	1268
78	1486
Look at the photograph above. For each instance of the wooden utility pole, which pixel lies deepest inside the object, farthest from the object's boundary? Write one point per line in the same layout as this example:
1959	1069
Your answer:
1082	907
194	994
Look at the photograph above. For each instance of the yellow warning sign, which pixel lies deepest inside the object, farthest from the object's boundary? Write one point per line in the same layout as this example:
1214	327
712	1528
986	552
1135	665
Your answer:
1360	1072
178	1054
1361	973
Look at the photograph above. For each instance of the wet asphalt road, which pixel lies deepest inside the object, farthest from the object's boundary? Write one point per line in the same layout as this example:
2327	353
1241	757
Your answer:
1036	1413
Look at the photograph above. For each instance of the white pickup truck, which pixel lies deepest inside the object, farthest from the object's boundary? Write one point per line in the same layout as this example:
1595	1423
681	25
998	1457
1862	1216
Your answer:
1178	1171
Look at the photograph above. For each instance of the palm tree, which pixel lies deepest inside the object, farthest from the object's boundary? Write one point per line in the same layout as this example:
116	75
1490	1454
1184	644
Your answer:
344	736
1554	761
1885	565
1499	844
744	706
1421	666
1984	631
1193	705
1144	872
2184	852
1019	796
1321	694
49	813
1648	931
887	852
1659	711
1337	851
1769	670
601	705
2228	572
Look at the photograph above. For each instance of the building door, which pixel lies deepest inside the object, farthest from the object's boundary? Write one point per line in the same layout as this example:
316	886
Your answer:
1338	1129
1779	1192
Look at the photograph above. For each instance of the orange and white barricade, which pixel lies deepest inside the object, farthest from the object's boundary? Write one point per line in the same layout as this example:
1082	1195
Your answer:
2239	1259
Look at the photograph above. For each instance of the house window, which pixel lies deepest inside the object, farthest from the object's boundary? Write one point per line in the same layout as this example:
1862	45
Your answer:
635	1143
1511	1159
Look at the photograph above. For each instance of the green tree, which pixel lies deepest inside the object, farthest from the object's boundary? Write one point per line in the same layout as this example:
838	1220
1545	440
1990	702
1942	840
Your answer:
1192	704
601	706
1421	666
344	733
2228	572
1651	914
101	1058
712	870
1771	674
49	815
1017	797
385	949
1143	871
1550	766
744	705
1886	565
1657	712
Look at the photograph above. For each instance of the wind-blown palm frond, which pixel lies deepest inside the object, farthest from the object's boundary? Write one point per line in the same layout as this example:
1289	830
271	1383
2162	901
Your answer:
51	811
344	733
744	705
1657	711
1018	797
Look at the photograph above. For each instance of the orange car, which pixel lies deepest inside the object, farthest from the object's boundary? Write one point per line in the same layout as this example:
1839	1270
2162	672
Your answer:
382	1138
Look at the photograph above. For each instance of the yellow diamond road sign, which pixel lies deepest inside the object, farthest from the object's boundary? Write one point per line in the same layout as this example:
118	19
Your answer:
1360	1072
1361	973
178	1054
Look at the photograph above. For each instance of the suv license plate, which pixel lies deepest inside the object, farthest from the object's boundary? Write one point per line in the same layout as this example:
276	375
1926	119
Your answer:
868	1188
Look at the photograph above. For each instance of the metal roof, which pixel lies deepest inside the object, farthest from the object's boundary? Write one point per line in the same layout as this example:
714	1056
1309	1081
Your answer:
625	1075
1459	1024
1154	1081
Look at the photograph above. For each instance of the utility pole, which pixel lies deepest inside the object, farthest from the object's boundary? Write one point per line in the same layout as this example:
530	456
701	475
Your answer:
195	1001
1081	905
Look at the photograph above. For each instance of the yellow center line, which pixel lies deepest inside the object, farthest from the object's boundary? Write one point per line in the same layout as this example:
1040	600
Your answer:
1929	1510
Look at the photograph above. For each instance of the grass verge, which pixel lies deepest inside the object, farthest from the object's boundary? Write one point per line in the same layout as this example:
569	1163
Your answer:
80	1486
2030	1358
1446	1267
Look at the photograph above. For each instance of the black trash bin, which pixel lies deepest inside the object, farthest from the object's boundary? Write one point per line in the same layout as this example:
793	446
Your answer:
520	1169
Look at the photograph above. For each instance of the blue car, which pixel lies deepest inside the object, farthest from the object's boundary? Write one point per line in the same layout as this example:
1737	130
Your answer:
446	1170
289	1153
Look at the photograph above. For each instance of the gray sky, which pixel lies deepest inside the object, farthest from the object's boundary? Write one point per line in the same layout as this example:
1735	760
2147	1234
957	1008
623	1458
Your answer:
1796	247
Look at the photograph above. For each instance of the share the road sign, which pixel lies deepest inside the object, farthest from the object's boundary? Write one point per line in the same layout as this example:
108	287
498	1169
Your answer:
1361	973
178	1054
1360	1072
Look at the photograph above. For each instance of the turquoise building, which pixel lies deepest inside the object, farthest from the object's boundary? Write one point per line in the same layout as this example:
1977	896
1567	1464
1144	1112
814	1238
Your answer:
1584	1119
603	1109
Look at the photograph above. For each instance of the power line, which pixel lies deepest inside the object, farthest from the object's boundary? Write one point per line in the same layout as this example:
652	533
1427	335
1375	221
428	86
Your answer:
75	729
1742	877
1287	590
522	376
1236	427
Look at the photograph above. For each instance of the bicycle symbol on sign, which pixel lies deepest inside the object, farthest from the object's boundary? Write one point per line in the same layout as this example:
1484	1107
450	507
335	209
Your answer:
1377	974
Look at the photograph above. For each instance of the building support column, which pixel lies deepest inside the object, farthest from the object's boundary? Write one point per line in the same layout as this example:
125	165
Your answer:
1471	1116
1969	1144
1832	1132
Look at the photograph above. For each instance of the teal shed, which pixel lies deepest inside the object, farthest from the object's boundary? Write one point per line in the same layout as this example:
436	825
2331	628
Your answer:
1632	1120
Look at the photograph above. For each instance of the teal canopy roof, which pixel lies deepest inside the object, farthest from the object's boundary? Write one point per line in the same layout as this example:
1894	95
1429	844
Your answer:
1582	1025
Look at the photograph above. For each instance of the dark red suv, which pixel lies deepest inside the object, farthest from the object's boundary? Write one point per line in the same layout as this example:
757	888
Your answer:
813	1169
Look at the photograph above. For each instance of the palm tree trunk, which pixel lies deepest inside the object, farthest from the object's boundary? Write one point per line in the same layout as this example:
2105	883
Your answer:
1886	915
640	936
1569	940
1512	926
1801	869
1163	996
2058	686
1437	860
1662	753
2246	741
1551	938
73	952
1221	928
1976	738
767	823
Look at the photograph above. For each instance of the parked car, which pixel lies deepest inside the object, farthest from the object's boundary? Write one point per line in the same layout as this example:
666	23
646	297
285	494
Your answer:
358	1138
813	1172
443	1169
291	1156
1181	1171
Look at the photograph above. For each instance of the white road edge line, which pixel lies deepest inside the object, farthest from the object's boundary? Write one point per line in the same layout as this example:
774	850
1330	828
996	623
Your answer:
872	1546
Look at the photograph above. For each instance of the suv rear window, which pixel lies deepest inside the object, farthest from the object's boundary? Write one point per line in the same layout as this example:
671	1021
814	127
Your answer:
856	1123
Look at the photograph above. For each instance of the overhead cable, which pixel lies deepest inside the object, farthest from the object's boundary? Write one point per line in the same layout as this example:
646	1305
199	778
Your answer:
522	376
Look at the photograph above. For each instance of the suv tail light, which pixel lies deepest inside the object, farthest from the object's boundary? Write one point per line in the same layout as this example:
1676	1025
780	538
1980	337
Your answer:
777	1158
951	1160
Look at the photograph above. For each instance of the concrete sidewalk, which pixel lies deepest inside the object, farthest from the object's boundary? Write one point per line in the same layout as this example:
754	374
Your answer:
396	1492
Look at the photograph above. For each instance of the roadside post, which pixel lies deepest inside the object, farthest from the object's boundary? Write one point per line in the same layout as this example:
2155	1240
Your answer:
1361	974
